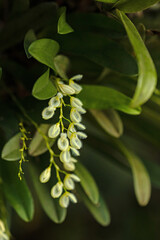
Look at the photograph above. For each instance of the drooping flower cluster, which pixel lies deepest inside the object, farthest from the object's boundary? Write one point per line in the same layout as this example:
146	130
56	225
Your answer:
3	235
69	138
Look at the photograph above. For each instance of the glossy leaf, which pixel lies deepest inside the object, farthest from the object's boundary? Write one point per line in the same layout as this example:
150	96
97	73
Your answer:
142	184
110	121
10	150
87	182
147	78
16	191
63	26
28	39
62	63
44	50
101	97
51	206
43	87
130	6
99	211
38	145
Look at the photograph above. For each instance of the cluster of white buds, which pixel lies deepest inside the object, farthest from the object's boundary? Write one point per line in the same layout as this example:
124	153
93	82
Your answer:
3	235
69	138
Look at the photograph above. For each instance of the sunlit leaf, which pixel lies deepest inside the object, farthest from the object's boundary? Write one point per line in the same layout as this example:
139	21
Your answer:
101	97
28	39
16	191
43	87
10	150
62	63
44	50
63	26
38	144
88	183
110	121
147	78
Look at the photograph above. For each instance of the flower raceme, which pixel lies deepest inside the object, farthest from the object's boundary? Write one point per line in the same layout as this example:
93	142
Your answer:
69	139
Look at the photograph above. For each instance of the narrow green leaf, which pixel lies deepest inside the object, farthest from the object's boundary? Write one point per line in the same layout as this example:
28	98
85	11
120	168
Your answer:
44	50
10	150
101	97
43	87
51	206
63	26
62	63
147	73
130	6
142	184
38	145
99	211
16	191
107	1
110	121
28	39
88	183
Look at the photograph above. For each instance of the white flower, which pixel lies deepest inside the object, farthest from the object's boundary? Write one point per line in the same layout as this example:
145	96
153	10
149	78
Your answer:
77	88
71	129
54	130
75	152
60	95
72	197
81	135
75	116
81	110
68	182
45	175
80	126
75	141
77	77
65	89
63	142
75	102
48	112
57	190
55	102
64	200
65	156
69	166
2	227
3	235
75	177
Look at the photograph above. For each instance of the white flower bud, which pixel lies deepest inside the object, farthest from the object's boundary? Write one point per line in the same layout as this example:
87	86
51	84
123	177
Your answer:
75	115
73	160
75	102
60	95
81	110
54	130
69	166
77	88
71	129
65	89
45	175
75	152
3	235
75	141
72	197
2	227
75	177
63	142
55	102
77	77
81	135
64	200
65	156
80	126
68	183
57	190
48	112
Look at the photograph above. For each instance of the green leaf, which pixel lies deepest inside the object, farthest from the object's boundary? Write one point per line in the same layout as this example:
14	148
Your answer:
16	191
99	211
87	182
107	1
130	6
142	184
28	39
10	150
101	97
38	145
44	50
43	87
51	206
61	64
110	121
147	73
63	26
